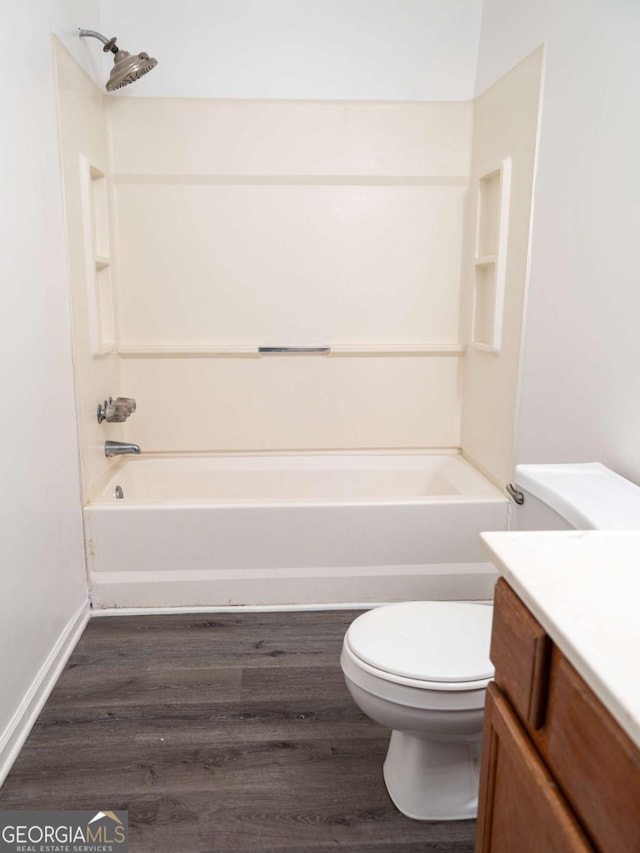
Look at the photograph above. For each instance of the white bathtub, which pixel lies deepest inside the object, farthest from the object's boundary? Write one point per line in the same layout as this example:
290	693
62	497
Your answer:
298	528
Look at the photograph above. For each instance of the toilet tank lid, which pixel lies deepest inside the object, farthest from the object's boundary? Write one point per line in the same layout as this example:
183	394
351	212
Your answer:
588	495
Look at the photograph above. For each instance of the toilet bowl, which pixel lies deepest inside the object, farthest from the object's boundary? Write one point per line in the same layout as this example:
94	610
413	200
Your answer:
421	668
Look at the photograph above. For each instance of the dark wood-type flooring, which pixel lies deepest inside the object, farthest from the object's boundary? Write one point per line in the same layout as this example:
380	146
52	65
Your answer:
219	732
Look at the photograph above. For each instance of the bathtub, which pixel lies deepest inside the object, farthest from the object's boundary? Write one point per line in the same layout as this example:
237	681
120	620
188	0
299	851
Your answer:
296	528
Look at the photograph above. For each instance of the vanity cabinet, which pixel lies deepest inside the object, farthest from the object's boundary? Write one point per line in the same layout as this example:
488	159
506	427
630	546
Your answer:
557	772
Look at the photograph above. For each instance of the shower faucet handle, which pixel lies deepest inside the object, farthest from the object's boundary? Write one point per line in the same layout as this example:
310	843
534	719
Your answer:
127	403
116	411
112	413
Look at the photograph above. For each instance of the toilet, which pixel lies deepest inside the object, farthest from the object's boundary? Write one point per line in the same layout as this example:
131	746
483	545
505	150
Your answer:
421	668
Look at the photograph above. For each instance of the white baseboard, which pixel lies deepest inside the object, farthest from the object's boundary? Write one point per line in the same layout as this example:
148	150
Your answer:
236	608
248	608
17	731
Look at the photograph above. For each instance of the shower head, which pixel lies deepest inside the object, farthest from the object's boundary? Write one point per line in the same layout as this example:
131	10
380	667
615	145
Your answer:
127	68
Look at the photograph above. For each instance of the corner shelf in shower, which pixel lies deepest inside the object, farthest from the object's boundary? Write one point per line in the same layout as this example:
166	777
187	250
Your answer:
95	218
252	351
489	272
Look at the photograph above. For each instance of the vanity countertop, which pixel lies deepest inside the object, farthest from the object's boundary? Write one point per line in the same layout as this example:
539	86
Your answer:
584	589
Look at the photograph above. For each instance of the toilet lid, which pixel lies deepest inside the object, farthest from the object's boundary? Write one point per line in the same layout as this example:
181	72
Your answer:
426	640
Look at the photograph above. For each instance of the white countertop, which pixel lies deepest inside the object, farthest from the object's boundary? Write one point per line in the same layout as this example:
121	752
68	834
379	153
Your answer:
584	589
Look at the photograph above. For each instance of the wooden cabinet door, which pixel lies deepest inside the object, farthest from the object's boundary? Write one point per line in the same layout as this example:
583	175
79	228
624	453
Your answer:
520	808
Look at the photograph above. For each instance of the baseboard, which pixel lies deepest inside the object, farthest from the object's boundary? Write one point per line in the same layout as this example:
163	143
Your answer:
17	731
248	608
236	608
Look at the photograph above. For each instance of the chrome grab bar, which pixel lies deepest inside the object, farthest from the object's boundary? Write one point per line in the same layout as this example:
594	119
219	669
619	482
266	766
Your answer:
294	350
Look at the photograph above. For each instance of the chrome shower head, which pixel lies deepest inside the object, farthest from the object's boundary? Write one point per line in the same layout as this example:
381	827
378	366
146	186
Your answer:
127	68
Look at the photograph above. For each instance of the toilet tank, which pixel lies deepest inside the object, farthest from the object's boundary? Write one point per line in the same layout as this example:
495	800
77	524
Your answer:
581	496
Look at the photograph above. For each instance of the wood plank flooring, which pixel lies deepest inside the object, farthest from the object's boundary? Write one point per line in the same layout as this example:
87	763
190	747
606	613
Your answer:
219	732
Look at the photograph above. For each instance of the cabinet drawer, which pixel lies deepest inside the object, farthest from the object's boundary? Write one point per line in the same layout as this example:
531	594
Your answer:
592	759
520	651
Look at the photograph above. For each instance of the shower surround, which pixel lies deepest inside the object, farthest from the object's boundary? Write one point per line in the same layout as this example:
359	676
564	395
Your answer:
346	226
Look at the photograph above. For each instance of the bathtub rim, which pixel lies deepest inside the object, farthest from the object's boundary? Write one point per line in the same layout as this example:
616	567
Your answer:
97	500
120	504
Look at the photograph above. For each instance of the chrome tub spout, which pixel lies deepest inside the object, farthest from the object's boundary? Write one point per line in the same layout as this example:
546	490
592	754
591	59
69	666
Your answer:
120	448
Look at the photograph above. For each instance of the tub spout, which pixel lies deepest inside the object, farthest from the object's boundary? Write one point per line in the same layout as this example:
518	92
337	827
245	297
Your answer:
120	448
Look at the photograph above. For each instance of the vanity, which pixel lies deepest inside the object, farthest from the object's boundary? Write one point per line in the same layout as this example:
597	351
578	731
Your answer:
560	767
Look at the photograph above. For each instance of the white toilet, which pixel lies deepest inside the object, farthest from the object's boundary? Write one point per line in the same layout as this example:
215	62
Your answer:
421	668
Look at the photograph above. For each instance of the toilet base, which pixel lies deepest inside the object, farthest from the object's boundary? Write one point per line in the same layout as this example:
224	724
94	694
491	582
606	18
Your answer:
433	780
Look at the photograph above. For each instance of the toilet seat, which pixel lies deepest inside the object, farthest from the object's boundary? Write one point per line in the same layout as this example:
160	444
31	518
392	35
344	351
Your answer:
429	645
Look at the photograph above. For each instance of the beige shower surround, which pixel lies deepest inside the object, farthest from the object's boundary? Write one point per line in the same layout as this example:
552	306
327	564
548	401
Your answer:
247	223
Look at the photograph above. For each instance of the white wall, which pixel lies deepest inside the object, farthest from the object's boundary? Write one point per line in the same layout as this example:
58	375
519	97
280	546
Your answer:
580	396
309	49
65	18
42	578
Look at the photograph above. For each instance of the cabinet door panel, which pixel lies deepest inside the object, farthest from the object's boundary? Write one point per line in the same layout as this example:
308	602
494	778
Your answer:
593	760
521	808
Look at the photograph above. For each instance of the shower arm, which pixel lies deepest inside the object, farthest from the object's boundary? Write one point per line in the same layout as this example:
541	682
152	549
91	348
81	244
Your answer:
109	44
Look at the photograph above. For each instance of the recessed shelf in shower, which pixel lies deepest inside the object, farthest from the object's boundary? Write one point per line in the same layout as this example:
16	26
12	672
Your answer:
492	218
95	214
